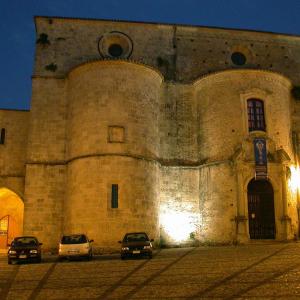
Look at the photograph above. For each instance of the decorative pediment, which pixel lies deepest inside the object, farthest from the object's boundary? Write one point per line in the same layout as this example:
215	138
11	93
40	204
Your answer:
245	152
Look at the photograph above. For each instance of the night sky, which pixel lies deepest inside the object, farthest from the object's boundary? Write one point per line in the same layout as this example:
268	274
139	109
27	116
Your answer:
18	32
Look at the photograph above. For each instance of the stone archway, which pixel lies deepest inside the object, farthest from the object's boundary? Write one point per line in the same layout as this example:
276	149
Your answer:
261	214
11	216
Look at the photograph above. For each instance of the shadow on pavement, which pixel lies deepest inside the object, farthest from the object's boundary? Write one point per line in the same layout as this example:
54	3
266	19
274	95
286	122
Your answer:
119	282
235	274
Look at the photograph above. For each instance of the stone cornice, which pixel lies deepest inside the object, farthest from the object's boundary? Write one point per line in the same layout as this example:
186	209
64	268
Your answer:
60	77
12	175
103	61
221	76
213	77
15	110
108	61
174	163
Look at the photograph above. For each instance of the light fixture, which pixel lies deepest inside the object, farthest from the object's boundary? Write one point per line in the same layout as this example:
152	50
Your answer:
294	180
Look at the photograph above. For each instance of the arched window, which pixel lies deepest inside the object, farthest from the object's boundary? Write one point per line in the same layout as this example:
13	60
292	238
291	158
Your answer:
2	136
256	117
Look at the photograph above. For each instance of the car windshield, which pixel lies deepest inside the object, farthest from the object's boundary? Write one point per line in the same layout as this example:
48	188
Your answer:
136	237
25	241
74	239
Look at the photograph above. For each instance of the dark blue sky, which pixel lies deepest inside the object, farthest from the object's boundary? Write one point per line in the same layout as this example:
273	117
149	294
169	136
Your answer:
18	34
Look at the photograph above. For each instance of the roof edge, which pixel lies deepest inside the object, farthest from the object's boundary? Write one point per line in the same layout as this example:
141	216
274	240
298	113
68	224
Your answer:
15	109
168	24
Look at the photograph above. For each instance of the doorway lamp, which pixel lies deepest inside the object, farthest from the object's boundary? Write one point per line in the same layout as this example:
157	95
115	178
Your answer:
294	180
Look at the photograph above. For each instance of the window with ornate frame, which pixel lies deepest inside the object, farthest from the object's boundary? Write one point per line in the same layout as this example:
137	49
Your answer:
256	115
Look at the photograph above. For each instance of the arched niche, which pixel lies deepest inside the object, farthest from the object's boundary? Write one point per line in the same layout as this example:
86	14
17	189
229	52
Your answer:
11	216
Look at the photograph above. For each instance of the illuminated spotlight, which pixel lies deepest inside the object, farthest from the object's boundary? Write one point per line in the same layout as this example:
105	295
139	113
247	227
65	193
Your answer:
178	224
294	181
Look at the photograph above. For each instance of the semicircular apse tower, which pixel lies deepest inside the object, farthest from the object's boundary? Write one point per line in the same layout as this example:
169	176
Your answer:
113	143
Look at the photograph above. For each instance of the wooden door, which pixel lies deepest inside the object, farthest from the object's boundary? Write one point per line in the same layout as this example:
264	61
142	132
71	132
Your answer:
261	210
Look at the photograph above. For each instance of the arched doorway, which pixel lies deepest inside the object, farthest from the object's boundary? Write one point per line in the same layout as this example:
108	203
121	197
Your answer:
261	210
11	216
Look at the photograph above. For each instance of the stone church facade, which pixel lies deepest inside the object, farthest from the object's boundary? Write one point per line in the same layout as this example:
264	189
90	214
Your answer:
152	127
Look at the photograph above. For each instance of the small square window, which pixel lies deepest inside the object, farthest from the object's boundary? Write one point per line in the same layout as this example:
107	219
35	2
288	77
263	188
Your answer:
116	134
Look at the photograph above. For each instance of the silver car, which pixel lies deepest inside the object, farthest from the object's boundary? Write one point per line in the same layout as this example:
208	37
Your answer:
75	246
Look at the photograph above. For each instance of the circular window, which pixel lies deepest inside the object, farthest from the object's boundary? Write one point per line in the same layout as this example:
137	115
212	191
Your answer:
115	45
115	50
238	58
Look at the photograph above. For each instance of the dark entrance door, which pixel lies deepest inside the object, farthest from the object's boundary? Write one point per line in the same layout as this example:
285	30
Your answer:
261	210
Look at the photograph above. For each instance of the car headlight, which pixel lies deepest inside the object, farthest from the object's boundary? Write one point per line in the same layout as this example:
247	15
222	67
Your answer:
12	252
33	251
147	247
125	248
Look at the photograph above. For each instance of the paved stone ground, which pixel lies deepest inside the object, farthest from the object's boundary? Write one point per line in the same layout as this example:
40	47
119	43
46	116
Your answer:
255	271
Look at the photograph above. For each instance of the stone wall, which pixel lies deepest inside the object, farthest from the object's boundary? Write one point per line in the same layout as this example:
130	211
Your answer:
155	121
179	205
43	203
182	53
47	128
179	125
114	108
45	168
218	203
88	206
13	151
222	108
113	138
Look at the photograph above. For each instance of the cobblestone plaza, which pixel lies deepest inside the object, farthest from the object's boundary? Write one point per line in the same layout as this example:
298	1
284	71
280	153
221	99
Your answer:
256	271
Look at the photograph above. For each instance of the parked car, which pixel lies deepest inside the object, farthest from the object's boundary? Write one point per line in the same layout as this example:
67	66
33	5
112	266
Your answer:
136	244
24	248
75	246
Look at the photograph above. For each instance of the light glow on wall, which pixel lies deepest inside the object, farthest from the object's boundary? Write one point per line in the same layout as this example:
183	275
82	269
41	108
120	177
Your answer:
178	224
5	192
294	181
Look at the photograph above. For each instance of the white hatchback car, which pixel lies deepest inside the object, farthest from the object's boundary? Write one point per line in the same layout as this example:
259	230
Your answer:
75	246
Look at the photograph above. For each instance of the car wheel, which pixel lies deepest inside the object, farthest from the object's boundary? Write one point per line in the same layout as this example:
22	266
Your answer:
150	255
39	260
122	257
9	261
